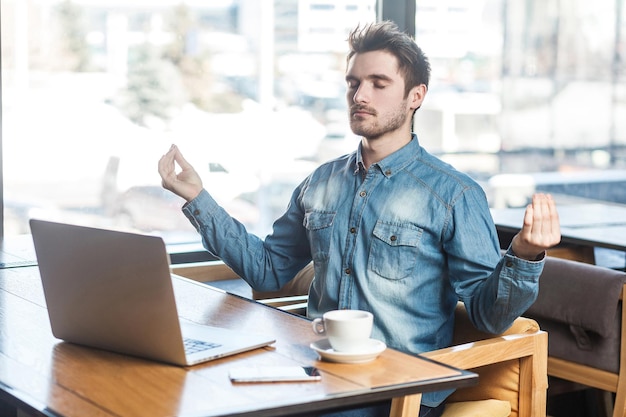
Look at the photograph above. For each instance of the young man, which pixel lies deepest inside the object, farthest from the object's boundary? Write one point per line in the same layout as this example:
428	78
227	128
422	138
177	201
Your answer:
390	228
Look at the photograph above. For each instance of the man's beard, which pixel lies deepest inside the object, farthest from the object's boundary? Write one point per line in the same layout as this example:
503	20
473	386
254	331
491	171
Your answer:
374	130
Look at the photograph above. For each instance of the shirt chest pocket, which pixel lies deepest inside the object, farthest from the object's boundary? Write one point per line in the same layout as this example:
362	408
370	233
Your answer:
394	249
319	226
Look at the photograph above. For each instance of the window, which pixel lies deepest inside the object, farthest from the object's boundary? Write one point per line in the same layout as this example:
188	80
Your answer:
95	91
525	87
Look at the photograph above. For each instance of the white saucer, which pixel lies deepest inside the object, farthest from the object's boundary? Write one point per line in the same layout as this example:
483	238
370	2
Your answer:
369	353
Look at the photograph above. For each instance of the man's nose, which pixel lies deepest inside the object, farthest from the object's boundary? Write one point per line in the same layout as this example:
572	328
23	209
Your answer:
361	95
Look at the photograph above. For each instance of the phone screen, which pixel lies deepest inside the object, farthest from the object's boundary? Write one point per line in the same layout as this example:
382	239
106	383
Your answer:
275	374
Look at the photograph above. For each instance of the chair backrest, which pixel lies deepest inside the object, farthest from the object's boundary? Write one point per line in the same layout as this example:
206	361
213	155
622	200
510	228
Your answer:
521	380
298	286
580	306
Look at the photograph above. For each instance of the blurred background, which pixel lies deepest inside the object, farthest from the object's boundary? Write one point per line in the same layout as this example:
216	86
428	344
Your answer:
525	95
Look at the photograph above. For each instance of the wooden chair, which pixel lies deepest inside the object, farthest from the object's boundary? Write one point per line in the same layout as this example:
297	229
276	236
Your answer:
581	307
511	366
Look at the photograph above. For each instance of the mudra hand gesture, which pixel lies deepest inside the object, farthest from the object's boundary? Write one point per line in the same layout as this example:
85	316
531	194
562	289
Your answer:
186	183
541	229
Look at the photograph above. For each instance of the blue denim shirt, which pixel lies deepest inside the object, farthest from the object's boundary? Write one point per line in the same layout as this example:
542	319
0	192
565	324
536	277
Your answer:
405	239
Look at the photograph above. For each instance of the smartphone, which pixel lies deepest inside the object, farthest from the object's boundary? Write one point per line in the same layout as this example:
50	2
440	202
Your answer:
275	374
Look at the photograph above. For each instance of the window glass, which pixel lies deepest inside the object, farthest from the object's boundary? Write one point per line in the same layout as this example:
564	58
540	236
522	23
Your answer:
95	91
523	87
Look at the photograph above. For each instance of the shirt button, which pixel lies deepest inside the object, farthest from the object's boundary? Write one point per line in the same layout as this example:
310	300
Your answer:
353	230
393	238
388	172
348	271
196	212
362	193
509	264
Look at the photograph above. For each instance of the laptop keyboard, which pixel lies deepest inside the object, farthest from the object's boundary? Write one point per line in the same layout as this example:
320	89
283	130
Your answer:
193	345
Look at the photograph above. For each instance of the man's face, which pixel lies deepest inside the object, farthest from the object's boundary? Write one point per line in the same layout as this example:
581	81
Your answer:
376	96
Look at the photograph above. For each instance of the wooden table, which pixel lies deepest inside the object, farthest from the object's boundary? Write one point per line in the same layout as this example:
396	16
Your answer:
46	377
583	228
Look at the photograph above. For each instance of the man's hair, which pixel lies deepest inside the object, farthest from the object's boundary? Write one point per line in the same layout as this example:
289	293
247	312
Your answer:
412	62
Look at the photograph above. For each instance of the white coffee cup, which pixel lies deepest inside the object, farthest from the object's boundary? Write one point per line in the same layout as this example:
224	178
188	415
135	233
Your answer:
347	330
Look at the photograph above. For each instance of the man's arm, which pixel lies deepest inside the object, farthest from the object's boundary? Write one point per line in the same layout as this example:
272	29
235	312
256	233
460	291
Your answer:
495	294
264	265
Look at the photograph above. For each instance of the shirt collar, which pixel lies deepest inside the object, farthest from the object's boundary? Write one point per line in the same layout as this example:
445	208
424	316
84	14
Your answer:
394	162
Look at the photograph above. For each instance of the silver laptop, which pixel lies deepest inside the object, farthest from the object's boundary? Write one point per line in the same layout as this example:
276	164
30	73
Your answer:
113	290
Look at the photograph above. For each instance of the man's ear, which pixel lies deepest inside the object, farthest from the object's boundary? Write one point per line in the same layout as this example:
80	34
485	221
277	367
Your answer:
416	96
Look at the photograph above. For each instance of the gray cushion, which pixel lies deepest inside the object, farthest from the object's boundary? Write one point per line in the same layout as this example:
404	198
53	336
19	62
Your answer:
579	294
579	306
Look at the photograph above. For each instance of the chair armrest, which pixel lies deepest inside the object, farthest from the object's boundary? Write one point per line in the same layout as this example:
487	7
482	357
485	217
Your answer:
490	351
204	271
296	304
529	349
284	301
